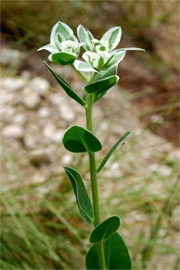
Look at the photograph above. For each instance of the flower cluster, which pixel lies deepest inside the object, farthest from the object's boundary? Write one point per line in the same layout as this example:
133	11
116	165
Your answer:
99	55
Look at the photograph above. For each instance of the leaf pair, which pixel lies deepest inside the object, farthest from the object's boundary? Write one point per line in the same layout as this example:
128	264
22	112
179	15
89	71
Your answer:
115	250
98	88
116	255
111	37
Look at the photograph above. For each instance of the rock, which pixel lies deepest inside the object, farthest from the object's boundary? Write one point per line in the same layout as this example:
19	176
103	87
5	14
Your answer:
66	159
13	131
39	158
53	134
31	99
157	119
26	74
43	112
12	84
66	112
162	170
39	85
19	119
6	113
11	58
29	141
57	99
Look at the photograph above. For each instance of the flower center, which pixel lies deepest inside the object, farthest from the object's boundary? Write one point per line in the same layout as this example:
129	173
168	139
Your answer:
69	45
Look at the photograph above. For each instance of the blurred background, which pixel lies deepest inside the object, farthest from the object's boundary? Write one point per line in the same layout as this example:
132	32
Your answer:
40	224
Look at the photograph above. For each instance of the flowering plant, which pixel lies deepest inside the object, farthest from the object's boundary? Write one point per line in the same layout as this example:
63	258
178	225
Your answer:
98	68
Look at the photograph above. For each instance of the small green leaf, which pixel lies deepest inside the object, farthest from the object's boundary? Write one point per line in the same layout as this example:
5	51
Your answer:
115	59
102	74
78	140
85	37
82	34
83	66
82	198
49	47
63	58
105	229
67	88
116	255
112	36
54	31
107	156
130	49
101	85
64	30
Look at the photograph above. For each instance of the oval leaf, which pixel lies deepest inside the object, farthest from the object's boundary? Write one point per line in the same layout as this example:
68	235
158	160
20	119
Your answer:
64	30
85	37
105	229
63	58
115	59
112	36
78	140
101	85
82	198
116	255
67	88
82	34
107	156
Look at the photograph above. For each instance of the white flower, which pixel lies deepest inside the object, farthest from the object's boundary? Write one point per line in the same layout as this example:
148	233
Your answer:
100	54
64	46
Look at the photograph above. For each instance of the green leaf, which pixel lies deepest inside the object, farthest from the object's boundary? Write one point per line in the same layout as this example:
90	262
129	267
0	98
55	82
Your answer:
54	31
82	34
78	140
67	88
49	47
108	155
85	37
64	30
116	255
63	58
105	229
115	59
83	66
130	49
82	198
102	74
112	36
101	85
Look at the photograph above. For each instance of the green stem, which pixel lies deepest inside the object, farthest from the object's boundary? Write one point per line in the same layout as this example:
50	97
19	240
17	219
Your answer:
94	186
80	73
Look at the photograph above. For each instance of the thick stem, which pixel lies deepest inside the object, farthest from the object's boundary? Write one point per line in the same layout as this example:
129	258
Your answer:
94	186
